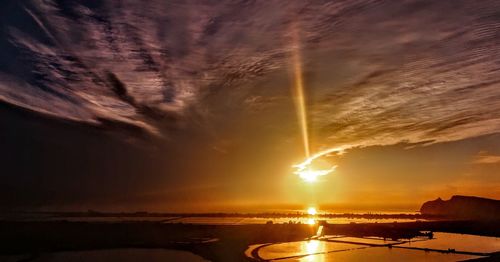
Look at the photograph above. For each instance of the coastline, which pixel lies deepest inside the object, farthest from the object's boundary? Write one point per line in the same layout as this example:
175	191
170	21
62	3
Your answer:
228	242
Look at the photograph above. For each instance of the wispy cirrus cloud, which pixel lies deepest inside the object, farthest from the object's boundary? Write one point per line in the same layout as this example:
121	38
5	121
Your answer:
484	157
376	72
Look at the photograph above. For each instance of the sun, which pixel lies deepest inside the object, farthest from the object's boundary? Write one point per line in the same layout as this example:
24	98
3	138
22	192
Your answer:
309	172
311	211
311	175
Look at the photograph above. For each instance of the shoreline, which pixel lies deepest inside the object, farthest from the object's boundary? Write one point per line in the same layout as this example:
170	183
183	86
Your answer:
231	240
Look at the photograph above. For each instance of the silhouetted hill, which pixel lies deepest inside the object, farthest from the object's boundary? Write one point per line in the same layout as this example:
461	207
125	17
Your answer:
463	207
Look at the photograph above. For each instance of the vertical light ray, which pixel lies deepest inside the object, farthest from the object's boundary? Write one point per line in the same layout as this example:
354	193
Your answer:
305	170
299	91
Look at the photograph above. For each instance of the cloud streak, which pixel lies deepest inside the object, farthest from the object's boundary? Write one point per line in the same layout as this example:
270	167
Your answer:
378	72
484	157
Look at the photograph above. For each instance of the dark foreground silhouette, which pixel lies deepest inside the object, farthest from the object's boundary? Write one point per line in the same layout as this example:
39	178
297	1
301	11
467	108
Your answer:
213	242
467	207
467	215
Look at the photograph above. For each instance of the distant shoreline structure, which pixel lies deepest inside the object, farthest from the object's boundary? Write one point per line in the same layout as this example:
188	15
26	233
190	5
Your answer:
457	208
91	213
463	207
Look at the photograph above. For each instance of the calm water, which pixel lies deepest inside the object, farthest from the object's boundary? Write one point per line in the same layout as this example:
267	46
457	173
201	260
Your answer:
459	242
365	240
335	248
213	220
201	220
256	220
382	254
301	248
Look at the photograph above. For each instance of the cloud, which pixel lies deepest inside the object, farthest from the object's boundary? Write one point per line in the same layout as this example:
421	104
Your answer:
484	157
375	72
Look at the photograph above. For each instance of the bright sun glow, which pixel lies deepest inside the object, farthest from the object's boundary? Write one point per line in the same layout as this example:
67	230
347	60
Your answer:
305	170
310	175
311	211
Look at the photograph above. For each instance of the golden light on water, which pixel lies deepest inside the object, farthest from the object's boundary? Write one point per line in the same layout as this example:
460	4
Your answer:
312	246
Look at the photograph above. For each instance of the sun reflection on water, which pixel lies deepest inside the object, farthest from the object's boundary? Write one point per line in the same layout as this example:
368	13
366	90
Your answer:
313	247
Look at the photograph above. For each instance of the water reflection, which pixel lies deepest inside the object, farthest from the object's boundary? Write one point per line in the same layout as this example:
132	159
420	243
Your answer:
459	242
382	254
301	249
262	220
338	248
312	246
211	220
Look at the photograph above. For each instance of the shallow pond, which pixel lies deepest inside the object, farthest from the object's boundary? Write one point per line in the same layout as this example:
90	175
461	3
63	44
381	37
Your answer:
459	242
338	248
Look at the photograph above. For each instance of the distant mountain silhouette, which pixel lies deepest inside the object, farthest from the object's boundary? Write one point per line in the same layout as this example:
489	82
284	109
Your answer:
468	207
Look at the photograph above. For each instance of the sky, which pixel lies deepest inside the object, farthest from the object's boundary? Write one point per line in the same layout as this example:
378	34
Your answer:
189	106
